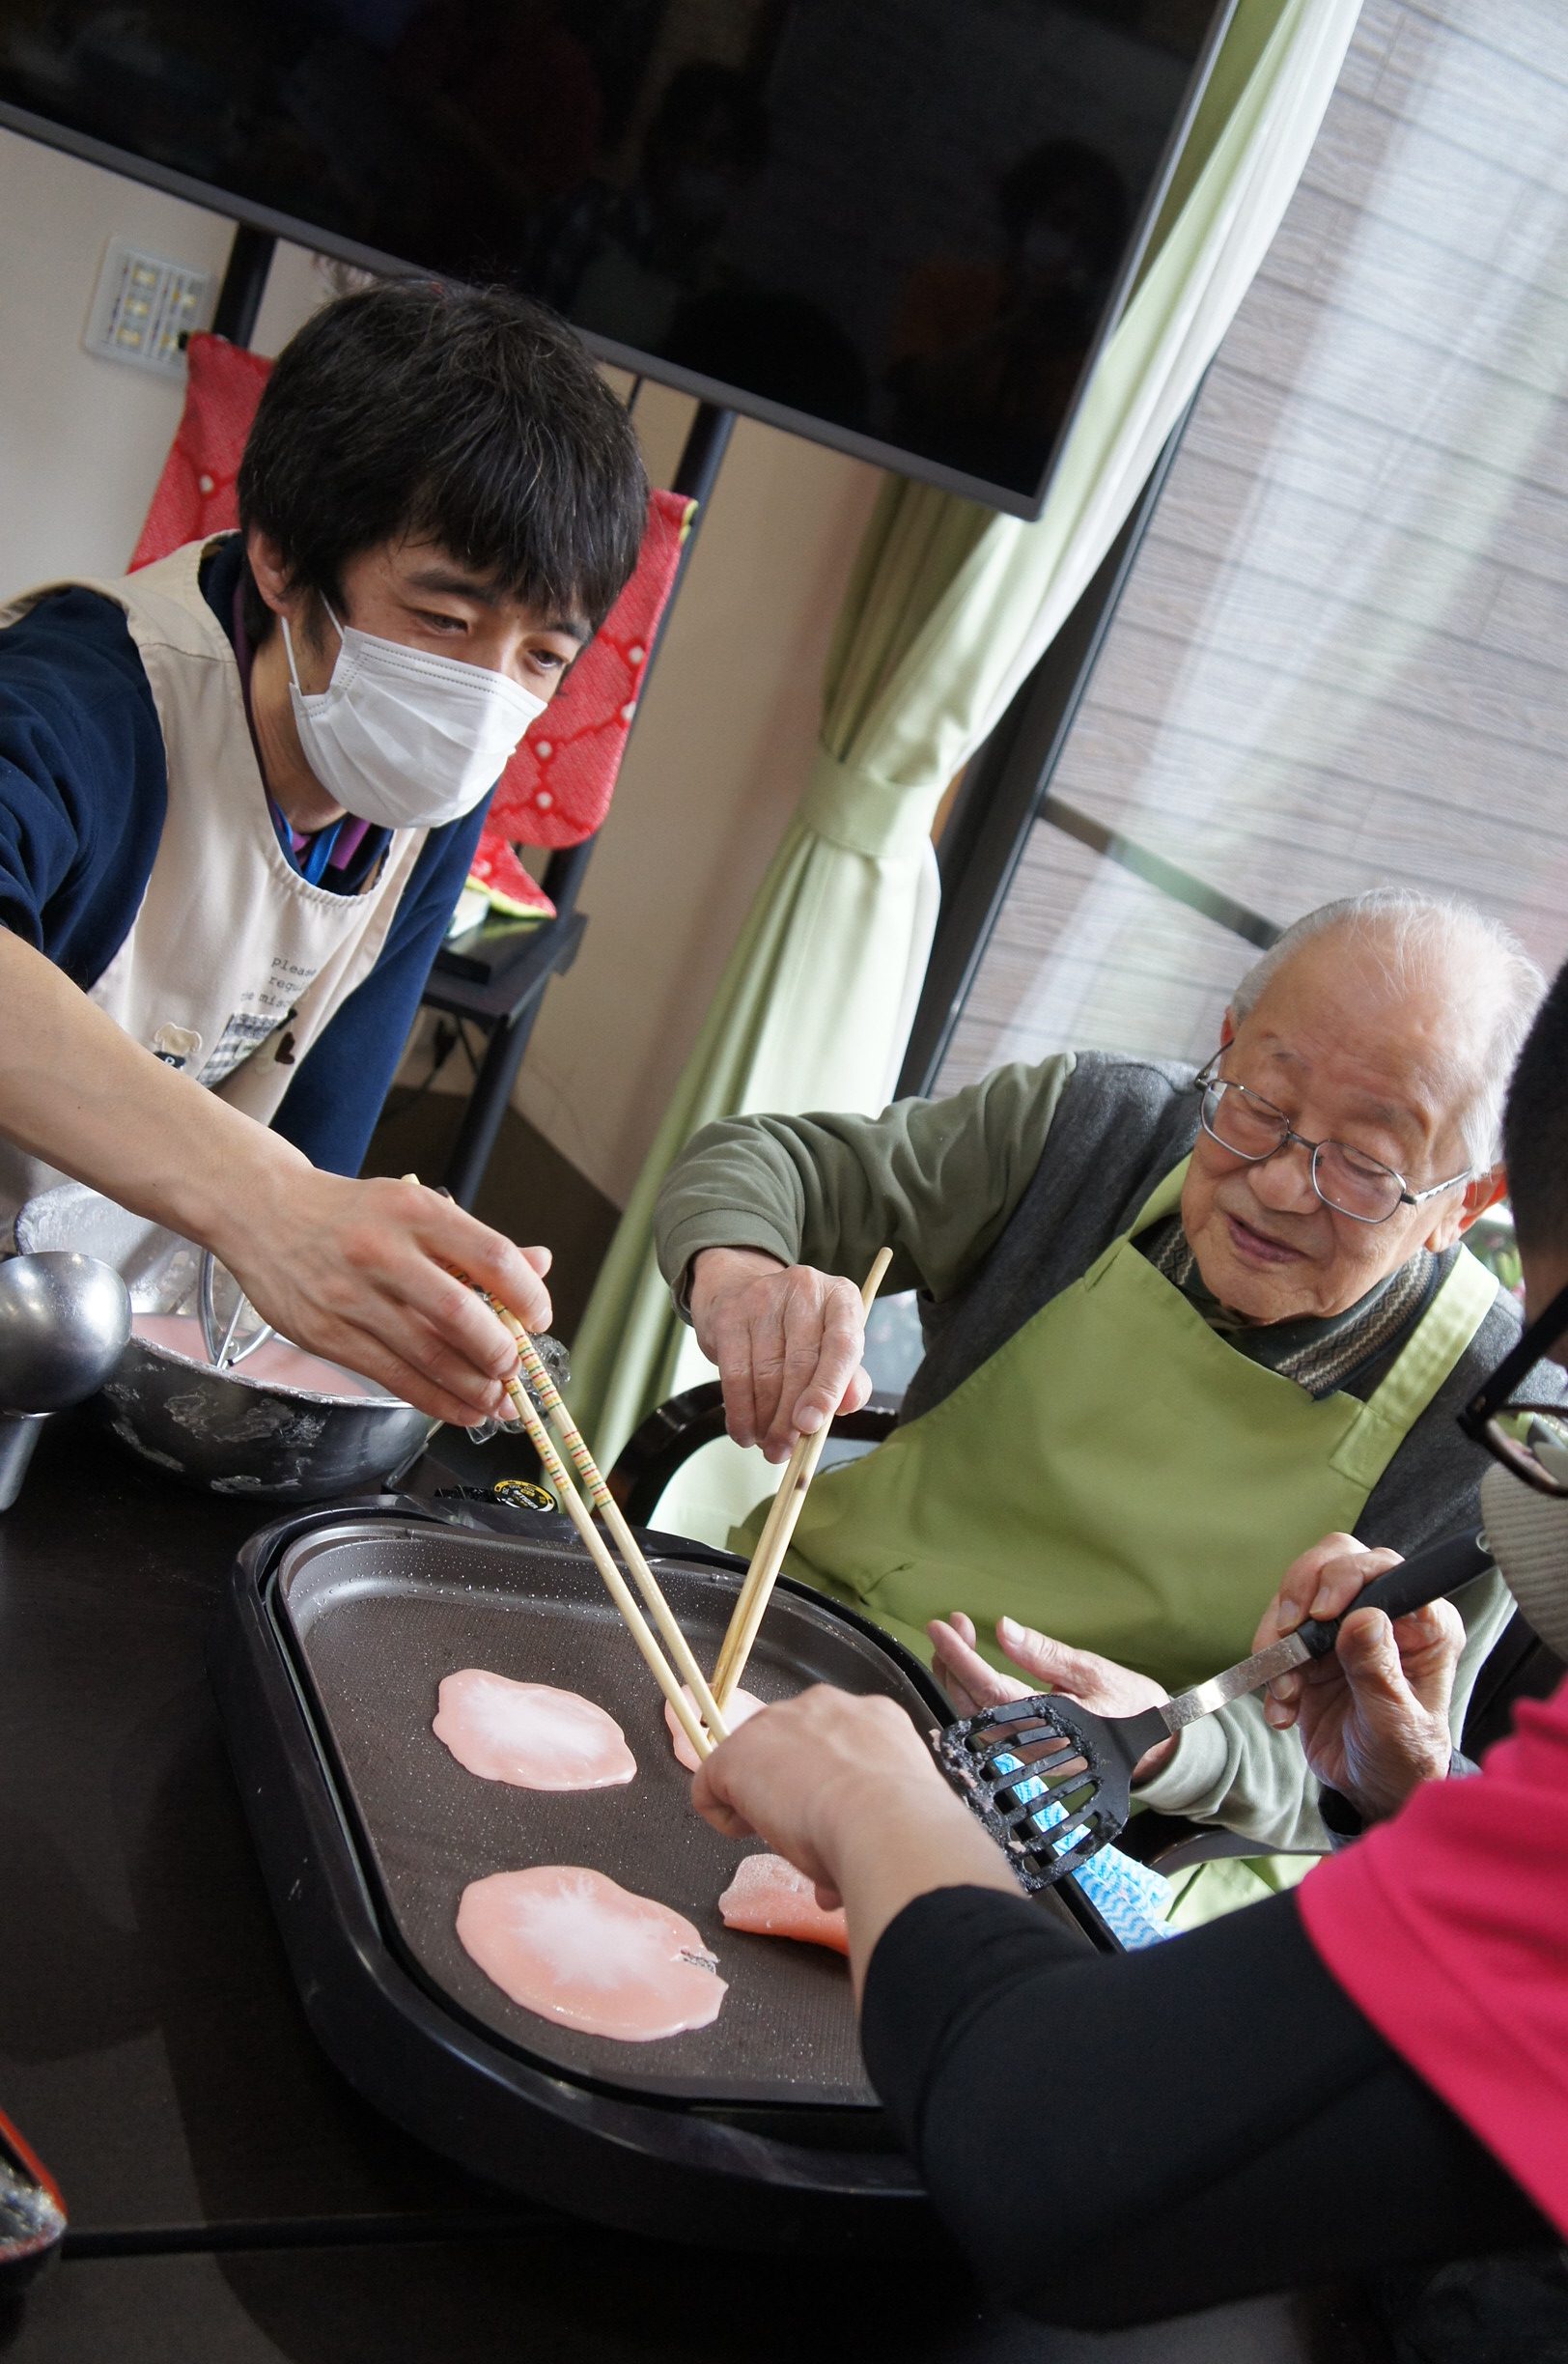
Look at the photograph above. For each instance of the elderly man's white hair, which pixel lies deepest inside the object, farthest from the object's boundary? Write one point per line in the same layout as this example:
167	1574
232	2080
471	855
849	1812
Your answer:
1415	938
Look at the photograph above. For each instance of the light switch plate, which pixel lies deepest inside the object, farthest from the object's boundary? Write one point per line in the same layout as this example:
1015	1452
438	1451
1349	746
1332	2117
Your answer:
143	305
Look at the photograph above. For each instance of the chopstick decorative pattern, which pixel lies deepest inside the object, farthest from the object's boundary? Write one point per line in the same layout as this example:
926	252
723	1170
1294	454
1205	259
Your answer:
610	1509
694	1720
620	1591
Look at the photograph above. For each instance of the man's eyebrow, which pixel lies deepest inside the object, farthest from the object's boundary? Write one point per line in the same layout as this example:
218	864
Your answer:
1386	1112
477	587
486	593
1393	1116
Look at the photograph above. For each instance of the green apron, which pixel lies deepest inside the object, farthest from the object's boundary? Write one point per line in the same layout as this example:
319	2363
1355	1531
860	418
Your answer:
1120	1477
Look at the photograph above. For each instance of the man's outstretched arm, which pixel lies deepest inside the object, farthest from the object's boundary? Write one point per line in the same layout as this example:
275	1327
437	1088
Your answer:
358	1271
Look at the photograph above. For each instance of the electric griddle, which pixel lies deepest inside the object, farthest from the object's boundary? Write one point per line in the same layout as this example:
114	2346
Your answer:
331	1639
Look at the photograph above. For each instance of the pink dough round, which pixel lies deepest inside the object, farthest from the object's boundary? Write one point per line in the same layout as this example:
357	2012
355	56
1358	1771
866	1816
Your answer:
530	1735
742	1705
576	1948
768	1897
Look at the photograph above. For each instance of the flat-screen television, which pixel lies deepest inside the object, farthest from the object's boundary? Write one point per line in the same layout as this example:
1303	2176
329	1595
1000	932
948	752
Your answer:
899	226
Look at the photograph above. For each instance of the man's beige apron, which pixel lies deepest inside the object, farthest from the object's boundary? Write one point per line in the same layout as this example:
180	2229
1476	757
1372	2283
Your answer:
1120	1477
234	963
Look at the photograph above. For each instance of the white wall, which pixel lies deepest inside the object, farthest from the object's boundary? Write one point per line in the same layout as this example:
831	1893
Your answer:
713	769
82	439
719	753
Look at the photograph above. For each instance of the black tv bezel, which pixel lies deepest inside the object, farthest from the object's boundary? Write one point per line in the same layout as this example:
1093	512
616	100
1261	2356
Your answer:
88	149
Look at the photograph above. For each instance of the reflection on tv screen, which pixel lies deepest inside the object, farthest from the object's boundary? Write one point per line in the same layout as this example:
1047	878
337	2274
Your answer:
905	220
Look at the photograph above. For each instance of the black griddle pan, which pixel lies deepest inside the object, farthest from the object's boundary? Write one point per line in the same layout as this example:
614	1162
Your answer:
332	1638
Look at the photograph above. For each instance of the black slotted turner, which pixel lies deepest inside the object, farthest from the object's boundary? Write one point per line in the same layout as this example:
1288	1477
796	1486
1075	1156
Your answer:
1054	1784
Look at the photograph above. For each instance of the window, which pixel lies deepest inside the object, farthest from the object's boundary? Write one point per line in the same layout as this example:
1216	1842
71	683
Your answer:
1340	658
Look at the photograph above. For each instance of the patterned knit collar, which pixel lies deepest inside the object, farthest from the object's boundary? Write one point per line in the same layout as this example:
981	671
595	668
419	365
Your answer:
1321	1356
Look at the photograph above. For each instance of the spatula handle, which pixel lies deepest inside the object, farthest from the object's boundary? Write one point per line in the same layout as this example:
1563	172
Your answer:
1442	1568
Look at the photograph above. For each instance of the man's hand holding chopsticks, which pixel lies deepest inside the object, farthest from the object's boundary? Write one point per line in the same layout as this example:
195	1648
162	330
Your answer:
787	1340
363	1273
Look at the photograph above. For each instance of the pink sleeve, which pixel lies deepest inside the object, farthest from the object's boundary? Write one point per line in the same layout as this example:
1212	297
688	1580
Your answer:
1449	1927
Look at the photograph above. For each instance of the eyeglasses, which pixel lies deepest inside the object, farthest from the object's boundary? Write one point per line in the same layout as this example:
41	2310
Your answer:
1529	1439
1346	1179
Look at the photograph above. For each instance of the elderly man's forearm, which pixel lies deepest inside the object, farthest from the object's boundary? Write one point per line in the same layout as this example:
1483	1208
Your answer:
937	1180
1232	1769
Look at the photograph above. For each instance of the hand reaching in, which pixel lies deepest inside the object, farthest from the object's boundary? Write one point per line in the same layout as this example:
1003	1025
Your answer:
362	1273
1100	1684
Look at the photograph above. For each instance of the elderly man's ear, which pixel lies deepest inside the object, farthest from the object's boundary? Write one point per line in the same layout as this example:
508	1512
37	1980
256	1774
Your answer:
1455	1215
1483	1192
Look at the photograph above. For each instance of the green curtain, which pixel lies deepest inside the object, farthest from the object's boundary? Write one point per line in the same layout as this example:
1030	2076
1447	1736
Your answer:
947	612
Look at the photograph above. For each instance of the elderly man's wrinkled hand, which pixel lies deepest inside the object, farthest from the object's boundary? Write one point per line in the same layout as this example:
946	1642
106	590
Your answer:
787	1340
1100	1684
1373	1714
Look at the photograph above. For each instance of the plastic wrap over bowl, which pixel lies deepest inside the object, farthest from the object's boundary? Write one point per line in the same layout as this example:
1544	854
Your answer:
219	1429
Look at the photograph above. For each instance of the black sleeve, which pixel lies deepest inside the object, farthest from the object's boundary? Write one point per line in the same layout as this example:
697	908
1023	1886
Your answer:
1117	2138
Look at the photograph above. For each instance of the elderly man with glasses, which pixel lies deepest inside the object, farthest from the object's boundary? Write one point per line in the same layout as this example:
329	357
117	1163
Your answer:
1178	1327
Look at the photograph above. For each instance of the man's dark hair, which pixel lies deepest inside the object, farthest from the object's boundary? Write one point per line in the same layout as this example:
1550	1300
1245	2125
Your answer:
1535	1126
467	416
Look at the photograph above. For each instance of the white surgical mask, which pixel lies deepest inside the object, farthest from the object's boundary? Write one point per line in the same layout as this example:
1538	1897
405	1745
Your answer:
402	738
1526	1533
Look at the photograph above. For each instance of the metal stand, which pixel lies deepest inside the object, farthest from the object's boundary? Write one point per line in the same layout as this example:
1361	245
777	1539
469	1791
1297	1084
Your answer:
507	1004
244	284
1002	793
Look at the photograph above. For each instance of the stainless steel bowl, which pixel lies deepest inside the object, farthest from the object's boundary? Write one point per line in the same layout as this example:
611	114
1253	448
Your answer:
223	1430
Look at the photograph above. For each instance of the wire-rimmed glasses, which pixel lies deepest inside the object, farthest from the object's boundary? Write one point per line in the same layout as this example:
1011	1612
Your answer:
1346	1179
1530	1439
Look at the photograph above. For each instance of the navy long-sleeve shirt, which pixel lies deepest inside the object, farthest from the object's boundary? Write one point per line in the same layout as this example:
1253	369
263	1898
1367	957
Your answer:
83	793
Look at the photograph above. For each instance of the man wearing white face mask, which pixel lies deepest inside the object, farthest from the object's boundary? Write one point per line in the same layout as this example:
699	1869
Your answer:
1368	2071
239	791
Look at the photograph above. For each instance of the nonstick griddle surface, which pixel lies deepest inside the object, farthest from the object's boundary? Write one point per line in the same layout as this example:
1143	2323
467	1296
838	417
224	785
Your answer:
377	1613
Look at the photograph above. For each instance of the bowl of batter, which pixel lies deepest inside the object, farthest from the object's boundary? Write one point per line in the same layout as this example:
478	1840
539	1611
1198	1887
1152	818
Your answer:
283	1425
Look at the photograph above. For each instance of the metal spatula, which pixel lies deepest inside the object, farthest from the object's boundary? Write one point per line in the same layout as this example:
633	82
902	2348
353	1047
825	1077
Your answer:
1053	1783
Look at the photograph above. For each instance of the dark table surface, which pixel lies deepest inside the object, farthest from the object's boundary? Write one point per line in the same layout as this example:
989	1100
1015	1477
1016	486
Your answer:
230	2197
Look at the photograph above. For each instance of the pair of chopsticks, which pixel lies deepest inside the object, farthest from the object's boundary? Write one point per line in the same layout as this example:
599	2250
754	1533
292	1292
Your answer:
605	1503
706	1707
757	1585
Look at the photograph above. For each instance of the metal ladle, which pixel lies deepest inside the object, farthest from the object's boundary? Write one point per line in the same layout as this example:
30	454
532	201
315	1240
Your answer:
65	1320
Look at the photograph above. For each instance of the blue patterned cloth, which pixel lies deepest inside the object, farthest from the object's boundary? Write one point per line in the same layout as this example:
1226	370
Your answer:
1131	1899
1129	1896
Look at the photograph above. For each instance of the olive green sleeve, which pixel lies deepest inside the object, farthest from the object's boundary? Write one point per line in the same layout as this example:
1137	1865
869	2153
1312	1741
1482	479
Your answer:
936	1180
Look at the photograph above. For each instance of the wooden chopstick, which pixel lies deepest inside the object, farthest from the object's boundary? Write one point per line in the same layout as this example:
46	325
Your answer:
609	1511
757	1585
620	1591
577	1510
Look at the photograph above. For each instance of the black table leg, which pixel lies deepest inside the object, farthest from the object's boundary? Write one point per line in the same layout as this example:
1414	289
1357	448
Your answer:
487	1102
